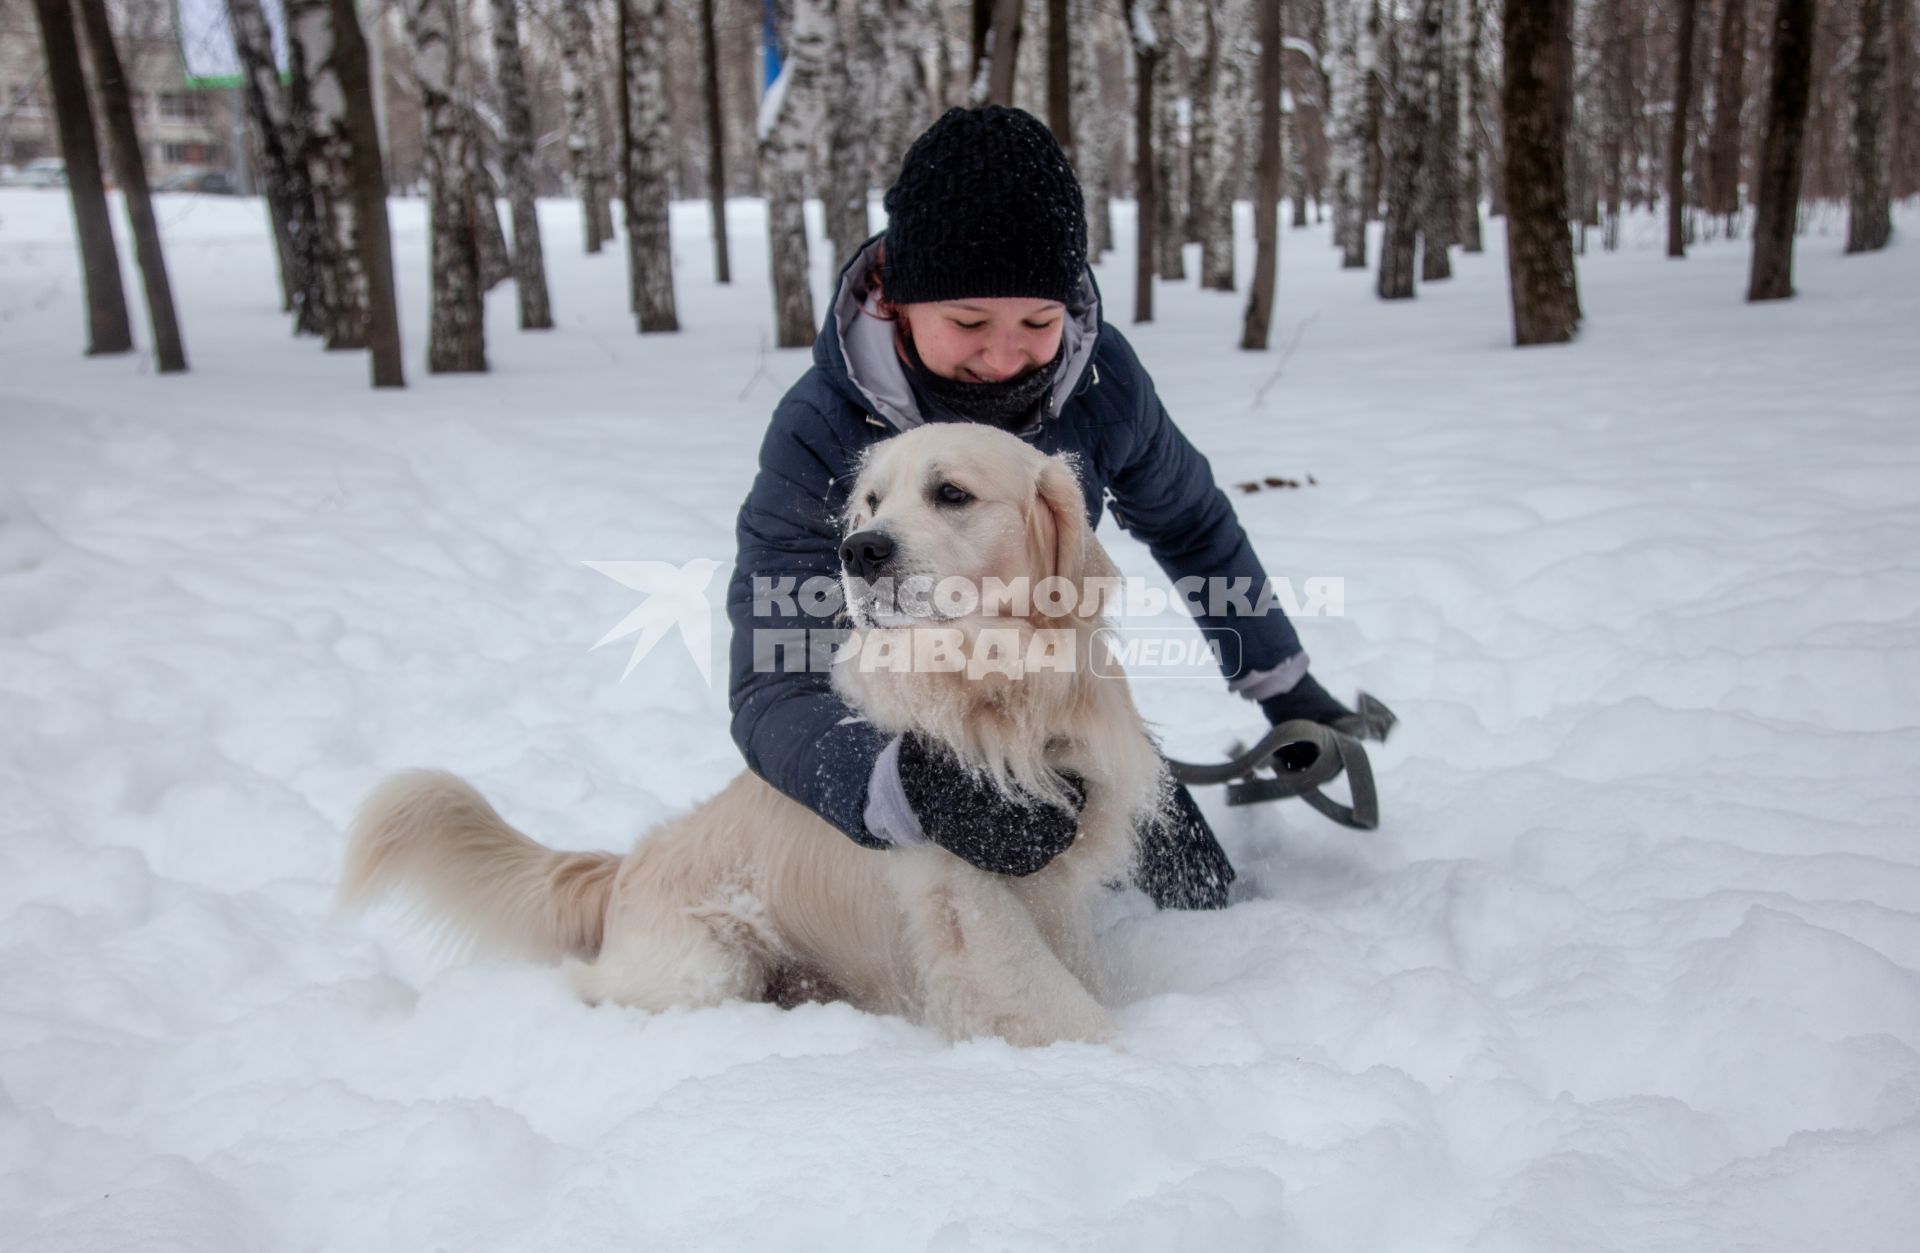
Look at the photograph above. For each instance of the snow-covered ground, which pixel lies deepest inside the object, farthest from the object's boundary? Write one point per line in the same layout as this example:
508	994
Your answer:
1632	963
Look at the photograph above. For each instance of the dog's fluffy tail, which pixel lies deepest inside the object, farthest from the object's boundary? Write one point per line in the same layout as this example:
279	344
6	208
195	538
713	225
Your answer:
431	837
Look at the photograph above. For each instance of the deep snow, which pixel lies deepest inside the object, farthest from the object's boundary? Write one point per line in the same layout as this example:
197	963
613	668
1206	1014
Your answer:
1631	963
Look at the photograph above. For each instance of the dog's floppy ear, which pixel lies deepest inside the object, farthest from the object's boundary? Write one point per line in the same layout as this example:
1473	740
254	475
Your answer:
1062	540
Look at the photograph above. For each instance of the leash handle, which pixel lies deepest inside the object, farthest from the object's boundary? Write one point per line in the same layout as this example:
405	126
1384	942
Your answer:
1294	759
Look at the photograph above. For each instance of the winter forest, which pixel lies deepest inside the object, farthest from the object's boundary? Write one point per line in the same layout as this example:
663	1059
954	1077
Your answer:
1737	117
373	373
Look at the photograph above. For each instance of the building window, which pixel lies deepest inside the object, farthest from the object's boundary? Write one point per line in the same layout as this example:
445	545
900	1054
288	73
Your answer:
183	106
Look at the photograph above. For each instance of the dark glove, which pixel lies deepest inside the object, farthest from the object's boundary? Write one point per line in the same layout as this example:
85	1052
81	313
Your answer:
968	816
1311	701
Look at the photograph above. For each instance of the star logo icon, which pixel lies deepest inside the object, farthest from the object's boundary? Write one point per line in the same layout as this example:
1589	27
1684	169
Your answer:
676	597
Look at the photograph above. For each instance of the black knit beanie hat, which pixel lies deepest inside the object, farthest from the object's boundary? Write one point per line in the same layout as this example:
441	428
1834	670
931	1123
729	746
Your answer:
985	205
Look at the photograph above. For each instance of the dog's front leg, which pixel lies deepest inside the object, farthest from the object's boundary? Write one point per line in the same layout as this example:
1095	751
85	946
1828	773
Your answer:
983	965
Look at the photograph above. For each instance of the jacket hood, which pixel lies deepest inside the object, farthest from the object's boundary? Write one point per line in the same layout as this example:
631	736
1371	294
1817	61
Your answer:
855	349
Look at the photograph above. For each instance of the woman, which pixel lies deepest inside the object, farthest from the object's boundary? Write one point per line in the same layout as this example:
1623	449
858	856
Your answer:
976	305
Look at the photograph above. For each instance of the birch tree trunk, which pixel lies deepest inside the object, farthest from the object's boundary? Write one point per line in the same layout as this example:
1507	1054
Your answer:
1375	50
1003	51
516	151
849	114
108	327
1679	130
289	191
496	258
1213	117
1723	148
1870	212
1344	158
1060	75
904	83
716	143
110	85
1411	154
328	156
1093	145
456	330
648	156
1439	209
584	144
1468	229
1258	326
1540	276
1145	20
1777	183
1170	156
789	116
367	174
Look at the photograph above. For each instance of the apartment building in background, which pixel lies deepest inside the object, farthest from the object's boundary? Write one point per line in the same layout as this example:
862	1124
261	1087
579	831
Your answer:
182	130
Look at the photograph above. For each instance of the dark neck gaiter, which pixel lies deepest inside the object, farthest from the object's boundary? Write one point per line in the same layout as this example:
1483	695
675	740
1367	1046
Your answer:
1008	404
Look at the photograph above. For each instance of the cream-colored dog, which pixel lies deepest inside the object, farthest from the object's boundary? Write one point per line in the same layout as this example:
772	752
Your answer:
751	894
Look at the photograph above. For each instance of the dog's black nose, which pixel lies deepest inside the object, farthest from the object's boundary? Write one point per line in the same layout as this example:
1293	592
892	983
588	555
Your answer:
864	552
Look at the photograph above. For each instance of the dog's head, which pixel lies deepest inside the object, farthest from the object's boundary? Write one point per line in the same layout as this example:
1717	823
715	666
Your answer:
961	523
976	588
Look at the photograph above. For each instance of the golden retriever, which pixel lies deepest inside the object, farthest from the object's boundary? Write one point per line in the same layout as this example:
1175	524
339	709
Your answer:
751	893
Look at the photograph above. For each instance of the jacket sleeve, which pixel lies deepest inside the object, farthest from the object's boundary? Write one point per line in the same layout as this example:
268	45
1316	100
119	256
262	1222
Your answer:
794	732
1164	494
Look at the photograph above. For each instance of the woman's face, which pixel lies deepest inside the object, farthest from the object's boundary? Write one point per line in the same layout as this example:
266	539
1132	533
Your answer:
987	339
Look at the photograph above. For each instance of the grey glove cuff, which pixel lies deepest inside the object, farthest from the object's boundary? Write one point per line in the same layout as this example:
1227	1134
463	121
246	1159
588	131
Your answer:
888	816
1258	685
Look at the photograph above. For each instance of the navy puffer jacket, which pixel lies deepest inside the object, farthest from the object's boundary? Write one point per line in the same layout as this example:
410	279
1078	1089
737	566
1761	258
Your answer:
794	732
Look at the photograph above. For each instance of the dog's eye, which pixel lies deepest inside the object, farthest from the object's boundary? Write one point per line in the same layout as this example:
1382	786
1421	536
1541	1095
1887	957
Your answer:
953	494
873	502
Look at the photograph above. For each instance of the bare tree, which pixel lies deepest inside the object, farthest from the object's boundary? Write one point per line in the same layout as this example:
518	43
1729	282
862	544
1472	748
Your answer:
1439	210
849	116
367	176
1060	75
1170	154
516	151
110	84
585	144
716	142
911	39
1346	23
1258	326
1870	212
496	258
1723	147
1003	49
1145	20
1411	153
649	250
289	193
1533	98
1777	186
108	328
1219	100
1093	145
456	329
1677	133
1467	227
322	124
789	117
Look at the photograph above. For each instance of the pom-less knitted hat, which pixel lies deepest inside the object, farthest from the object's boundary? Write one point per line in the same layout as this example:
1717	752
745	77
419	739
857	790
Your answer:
985	205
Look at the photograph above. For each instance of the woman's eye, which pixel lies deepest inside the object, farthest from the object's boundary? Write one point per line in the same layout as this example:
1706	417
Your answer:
969	326
953	494
873	502
1040	326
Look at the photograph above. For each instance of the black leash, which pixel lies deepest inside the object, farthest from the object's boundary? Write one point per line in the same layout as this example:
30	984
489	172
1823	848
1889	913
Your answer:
1296	758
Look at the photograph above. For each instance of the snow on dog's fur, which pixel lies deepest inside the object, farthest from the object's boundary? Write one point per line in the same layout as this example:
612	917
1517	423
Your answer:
751	893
